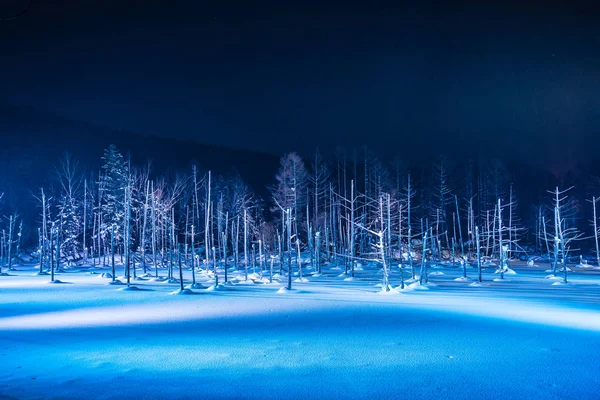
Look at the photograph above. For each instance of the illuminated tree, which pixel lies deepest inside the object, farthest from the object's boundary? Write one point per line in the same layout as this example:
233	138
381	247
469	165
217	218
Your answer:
113	182
564	230
70	182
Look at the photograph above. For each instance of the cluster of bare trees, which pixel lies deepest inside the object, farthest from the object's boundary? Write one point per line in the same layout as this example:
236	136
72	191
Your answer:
125	217
10	240
345	214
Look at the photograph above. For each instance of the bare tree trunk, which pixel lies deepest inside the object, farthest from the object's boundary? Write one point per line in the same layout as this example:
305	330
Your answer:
143	238
153	216
538	240
382	249
500	242
253	256
44	230
596	232
85	252
462	245
400	211
280	246
187	227
224	235
236	245
289	245
180	270
299	260
478	252
389	226
423	257
171	261
112	251
260	257
317	252
193	259
95	251
487	230
510	208
52	235
215	270
246	244
546	235
40	251
127	233
352	230
11	223
409	222
207	221
2	246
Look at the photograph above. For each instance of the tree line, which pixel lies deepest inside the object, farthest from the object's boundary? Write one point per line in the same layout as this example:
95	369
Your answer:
348	213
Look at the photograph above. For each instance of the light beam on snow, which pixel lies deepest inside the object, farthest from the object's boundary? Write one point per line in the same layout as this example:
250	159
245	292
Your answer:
136	314
129	315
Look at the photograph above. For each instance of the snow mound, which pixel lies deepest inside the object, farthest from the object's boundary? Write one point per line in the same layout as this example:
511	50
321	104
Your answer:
389	292
253	276
436	273
585	264
116	282
301	280
463	279
507	271
184	291
213	288
418	286
476	284
196	285
130	289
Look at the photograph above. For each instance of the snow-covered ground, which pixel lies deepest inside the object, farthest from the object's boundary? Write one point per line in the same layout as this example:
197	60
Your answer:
522	338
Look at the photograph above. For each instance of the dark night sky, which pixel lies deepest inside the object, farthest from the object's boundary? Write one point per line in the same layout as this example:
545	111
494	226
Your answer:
277	78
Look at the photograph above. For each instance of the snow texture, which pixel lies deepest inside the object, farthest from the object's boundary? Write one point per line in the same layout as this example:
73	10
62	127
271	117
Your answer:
331	337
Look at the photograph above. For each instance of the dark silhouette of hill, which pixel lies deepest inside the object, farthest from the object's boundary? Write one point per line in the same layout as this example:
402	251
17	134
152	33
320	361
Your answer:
33	142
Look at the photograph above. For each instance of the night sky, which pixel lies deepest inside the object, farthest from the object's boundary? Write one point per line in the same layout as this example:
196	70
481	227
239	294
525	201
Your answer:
523	81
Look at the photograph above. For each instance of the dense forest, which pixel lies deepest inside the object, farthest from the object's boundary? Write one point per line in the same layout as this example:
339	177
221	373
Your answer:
354	210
